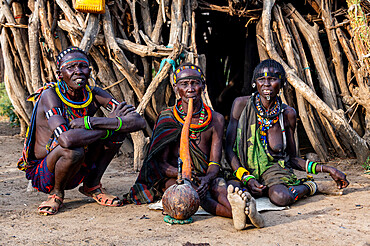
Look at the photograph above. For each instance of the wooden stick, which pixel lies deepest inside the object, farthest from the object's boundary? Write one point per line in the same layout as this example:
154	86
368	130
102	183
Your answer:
286	40
19	44
16	91
126	67
334	47
312	36
158	79
71	16
358	144
114	84
91	32
49	38
33	37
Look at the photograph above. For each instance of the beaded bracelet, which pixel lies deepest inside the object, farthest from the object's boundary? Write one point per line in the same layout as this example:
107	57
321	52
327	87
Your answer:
87	123
239	172
109	133
294	192
246	178
119	124
311	167
214	163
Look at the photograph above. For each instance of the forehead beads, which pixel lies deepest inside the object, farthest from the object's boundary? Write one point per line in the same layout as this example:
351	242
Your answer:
268	74
66	51
191	67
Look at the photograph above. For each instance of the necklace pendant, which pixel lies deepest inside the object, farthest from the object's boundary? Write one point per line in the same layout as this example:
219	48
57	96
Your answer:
193	136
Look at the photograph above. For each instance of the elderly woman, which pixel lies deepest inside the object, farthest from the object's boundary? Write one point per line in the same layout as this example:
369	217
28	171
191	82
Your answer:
159	170
65	144
260	144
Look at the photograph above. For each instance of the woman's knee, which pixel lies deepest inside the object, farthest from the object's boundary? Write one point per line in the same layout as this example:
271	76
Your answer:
281	196
74	156
218	185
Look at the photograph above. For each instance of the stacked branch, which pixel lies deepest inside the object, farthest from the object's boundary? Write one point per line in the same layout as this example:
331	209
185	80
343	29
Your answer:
128	43
334	120
125	46
331	85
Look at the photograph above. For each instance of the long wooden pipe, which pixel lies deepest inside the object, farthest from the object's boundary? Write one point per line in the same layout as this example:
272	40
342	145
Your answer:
184	143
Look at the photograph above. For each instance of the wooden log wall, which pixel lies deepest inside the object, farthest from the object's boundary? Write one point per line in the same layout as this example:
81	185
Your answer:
127	44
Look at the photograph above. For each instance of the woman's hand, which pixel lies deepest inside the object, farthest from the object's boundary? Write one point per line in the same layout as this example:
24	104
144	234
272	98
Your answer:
77	123
339	177
204	186
255	188
123	109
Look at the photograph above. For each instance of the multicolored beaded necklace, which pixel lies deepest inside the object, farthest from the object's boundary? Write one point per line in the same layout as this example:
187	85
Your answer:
71	108
266	118
202	125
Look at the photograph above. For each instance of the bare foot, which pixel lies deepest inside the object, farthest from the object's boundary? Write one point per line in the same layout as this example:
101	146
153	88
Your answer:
329	188
251	210
243	205
237	207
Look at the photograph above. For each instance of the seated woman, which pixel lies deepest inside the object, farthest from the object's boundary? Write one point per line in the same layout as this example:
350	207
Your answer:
260	143
159	170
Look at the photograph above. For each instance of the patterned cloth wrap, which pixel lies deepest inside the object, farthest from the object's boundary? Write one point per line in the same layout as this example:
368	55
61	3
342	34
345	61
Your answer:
167	130
36	169
253	155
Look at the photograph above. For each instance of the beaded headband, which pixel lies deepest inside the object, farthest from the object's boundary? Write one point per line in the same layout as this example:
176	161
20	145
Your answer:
265	74
65	63
66	51
191	67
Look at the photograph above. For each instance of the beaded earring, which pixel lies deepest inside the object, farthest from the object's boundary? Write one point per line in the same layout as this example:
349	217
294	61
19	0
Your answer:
254	85
62	84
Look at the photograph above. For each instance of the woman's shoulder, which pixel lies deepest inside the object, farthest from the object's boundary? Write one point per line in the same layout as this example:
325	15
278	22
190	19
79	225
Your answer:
217	117
288	110
289	113
240	102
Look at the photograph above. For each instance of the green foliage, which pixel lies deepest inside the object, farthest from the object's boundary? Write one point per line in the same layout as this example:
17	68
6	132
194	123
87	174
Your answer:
366	165
6	107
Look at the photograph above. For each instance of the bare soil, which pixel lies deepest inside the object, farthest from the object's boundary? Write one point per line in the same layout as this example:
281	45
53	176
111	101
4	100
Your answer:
316	220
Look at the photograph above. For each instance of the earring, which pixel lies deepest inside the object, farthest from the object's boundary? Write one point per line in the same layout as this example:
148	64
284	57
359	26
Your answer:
62	86
254	85
93	80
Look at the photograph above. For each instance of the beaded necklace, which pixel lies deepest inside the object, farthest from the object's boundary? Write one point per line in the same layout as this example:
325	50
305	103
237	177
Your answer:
202	125
266	118
74	109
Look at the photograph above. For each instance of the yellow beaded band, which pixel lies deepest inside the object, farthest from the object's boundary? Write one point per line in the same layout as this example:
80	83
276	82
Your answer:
214	163
239	173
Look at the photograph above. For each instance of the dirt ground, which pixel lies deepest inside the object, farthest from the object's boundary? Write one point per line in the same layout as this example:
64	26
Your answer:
317	220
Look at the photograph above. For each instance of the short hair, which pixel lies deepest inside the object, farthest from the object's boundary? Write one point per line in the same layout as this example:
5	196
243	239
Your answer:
267	64
71	49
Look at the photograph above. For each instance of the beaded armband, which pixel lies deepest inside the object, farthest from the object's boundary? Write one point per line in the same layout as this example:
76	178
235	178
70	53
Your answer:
112	104
240	172
53	111
60	129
